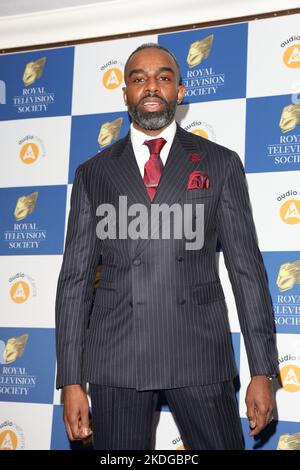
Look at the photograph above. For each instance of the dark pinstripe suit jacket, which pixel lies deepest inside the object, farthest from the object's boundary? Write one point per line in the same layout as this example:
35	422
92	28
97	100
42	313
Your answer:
158	318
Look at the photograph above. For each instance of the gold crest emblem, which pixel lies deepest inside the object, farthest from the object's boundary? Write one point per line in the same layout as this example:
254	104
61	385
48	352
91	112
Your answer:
25	206
199	50
33	71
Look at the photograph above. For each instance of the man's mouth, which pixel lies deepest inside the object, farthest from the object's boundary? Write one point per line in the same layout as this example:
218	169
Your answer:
152	104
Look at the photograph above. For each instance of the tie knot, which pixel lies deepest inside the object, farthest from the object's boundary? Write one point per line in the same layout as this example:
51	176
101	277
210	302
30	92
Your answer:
155	145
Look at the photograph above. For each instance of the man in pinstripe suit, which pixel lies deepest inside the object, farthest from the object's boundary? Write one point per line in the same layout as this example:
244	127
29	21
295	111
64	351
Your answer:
158	320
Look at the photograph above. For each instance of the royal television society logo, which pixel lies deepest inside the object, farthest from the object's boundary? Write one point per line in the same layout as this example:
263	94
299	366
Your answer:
109	131
22	287
33	98
201	128
12	349
287	298
31	148
289	209
289	442
33	71
291	53
287	148
199	51
11	436
112	74
25	234
289	119
288	276
201	79
25	206
15	380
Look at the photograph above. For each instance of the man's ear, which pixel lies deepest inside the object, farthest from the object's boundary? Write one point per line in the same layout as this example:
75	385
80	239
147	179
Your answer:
181	93
124	94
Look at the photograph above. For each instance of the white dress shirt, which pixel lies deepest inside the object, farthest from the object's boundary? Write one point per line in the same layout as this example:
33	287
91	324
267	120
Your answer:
141	151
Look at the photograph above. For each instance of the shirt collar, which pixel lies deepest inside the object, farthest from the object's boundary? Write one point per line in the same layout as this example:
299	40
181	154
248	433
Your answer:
139	137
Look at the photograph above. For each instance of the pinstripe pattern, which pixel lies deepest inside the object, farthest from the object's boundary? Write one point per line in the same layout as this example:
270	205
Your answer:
158	319
122	418
207	417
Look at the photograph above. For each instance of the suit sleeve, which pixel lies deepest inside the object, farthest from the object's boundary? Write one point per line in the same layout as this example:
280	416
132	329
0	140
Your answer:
237	235
74	296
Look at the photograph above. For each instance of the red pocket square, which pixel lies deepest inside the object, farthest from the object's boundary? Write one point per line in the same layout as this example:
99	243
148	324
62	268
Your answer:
195	157
198	180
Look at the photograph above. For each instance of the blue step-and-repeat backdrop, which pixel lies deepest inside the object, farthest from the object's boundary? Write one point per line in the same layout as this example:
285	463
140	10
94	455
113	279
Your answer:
243	91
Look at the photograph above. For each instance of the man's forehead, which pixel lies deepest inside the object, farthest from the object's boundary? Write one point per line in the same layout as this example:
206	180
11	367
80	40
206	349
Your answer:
151	58
153	68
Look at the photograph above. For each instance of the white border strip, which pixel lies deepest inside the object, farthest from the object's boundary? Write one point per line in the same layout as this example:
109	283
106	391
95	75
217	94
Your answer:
119	17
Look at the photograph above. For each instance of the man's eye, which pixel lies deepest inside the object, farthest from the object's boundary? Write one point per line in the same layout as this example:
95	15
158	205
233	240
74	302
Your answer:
164	78
138	79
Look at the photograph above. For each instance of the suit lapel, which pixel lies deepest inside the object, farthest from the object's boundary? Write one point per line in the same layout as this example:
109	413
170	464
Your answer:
124	173
172	184
178	165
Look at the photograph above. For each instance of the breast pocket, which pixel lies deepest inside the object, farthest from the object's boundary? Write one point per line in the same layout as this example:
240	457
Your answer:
198	193
207	292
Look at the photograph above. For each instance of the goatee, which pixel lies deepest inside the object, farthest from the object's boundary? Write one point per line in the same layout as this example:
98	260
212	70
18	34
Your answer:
152	121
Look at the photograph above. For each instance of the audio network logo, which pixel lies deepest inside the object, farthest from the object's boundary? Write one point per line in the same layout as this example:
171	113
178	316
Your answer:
22	287
291	55
112	74
30	149
11	436
289	211
201	128
290	377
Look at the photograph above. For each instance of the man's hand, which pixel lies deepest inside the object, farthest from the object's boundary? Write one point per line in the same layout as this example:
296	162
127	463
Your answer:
260	403
76	412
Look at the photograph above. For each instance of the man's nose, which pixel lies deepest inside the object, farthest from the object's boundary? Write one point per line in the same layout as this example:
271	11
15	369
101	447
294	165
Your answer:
152	85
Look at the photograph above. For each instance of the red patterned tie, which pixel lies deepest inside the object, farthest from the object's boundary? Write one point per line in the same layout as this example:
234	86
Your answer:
153	168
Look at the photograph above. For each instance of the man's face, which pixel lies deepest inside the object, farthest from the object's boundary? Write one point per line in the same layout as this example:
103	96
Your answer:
152	91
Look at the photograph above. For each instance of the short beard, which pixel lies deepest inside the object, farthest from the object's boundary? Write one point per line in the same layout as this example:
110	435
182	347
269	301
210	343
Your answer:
152	121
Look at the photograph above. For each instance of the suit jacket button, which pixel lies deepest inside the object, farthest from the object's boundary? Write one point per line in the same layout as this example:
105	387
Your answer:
136	262
179	258
131	303
181	301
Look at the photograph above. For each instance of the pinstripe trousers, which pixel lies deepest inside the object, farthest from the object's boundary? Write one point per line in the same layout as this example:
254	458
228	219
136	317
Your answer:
207	417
